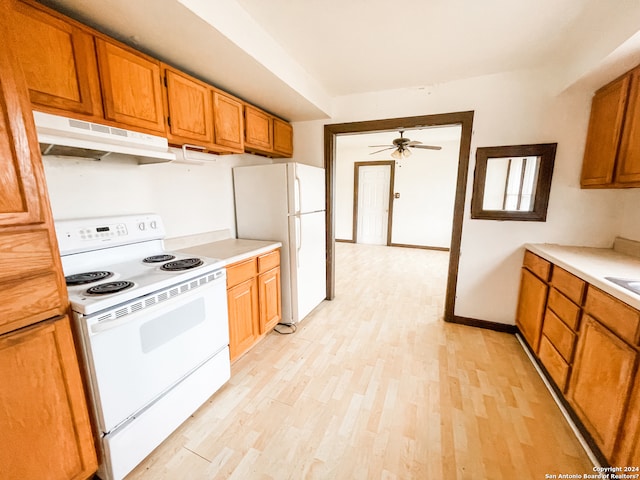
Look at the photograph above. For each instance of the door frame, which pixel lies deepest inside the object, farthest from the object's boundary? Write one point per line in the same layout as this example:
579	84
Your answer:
356	187
331	131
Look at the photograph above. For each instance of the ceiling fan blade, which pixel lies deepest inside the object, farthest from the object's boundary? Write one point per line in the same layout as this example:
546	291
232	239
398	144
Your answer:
373	146
383	150
413	143
427	147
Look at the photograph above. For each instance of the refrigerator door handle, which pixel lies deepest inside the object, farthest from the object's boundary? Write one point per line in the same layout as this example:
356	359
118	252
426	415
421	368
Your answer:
298	195
298	239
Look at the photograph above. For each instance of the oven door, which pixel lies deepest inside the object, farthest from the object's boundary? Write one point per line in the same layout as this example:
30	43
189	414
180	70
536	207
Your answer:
138	357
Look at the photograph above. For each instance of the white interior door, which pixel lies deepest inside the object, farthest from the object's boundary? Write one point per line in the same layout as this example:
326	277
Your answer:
373	204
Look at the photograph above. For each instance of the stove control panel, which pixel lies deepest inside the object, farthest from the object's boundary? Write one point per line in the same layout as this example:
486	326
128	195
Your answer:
81	235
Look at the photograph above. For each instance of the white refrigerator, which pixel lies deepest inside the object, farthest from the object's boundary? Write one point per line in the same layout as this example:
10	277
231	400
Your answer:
286	202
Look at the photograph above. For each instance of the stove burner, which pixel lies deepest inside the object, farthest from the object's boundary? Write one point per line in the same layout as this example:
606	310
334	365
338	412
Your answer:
86	277
184	264
109	287
159	258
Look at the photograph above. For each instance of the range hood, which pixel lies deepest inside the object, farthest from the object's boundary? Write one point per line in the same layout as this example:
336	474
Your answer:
69	137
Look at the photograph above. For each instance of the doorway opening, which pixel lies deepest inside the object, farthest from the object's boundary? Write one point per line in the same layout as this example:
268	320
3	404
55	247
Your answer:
465	121
373	202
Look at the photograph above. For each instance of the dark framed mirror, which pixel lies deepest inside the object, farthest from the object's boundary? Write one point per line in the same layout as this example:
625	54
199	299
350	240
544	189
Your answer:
513	182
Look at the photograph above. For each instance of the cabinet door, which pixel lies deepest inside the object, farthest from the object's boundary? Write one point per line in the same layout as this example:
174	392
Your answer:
59	63
269	299
628	166
600	382
229	123
258	129
627	451
189	109
282	137
605	130
44	424
243	317
131	87
20	161
531	307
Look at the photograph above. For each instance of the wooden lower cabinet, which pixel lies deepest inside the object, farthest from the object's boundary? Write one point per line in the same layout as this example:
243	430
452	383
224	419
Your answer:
243	317
269	299
45	430
627	451
601	381
254	301
531	307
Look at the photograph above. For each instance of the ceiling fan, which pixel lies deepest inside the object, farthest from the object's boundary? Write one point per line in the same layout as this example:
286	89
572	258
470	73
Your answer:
401	147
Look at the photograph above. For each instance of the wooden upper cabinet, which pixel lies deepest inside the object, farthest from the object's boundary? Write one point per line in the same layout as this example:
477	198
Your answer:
258	129
131	87
20	163
282	137
267	134
604	134
601	382
42	390
59	62
188	108
229	122
628	165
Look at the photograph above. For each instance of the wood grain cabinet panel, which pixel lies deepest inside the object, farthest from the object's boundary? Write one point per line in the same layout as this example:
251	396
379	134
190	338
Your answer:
627	451
557	367
241	271
282	138
44	425
600	382
229	122
269	299
20	163
564	308
531	307
244	327
537	265
614	314
59	62
131	87
258	129
604	134
570	285
627	171
189	109
560	336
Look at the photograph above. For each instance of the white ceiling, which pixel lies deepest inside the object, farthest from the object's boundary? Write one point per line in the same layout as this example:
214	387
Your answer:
291	57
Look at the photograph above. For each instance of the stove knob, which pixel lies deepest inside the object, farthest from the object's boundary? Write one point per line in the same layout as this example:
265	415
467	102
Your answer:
153	224
142	226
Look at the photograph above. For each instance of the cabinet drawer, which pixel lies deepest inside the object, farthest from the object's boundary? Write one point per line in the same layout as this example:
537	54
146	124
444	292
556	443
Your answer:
614	314
564	308
42	300
268	261
559	335
537	265
553	362
570	285
239	272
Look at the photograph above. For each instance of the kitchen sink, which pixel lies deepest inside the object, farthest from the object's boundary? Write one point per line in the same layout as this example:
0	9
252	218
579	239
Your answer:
632	285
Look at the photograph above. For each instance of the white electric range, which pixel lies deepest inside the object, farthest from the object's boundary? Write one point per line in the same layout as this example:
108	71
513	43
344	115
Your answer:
153	331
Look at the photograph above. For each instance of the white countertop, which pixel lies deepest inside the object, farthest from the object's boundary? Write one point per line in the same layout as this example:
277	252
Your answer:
233	250
593	265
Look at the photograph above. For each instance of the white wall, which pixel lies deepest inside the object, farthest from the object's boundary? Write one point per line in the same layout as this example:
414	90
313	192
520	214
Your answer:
426	181
191	198
510	109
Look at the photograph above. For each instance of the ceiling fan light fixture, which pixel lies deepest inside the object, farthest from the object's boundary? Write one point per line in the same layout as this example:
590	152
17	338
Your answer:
396	154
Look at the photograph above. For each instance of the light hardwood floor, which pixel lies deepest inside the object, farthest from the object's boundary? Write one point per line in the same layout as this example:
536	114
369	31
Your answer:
374	385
